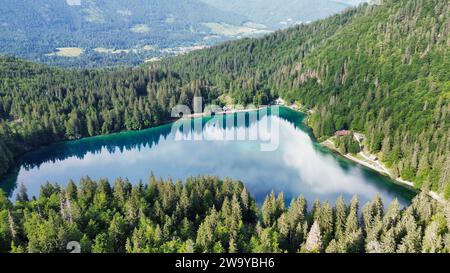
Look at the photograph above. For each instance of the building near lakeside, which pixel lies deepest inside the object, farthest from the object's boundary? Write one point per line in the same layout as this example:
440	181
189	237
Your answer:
343	133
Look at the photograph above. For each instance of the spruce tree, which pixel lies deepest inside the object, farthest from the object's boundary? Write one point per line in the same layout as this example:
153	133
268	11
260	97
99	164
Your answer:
22	195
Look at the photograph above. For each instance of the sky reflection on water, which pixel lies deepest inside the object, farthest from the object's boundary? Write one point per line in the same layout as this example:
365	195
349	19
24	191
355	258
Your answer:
297	167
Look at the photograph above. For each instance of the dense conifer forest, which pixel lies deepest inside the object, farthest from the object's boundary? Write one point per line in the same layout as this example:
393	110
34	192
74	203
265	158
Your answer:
205	214
381	70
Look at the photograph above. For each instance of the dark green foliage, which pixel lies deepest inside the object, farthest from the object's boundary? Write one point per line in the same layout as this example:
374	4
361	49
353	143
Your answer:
381	70
41	105
206	214
347	144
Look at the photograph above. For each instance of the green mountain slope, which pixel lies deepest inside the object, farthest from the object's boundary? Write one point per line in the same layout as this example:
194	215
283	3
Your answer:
87	33
382	70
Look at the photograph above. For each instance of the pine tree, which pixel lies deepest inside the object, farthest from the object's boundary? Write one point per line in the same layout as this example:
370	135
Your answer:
102	244
268	210
341	215
353	233
233	246
372	219
392	216
71	190
352	223
12	226
314	239
388	243
268	241
206	232
432	240
22	195
411	242
326	223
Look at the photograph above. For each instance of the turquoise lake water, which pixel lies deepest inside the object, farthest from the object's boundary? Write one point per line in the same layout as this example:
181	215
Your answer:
297	165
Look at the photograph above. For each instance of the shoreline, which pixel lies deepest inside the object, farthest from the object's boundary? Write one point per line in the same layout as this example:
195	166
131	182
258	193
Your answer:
229	112
371	164
379	168
328	144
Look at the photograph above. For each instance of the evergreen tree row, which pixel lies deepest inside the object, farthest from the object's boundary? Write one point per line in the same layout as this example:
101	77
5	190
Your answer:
380	70
206	214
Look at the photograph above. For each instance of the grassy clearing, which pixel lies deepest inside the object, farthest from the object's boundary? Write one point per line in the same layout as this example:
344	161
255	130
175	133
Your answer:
71	52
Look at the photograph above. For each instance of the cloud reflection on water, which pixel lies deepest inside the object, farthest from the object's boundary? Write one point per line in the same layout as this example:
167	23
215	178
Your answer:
296	167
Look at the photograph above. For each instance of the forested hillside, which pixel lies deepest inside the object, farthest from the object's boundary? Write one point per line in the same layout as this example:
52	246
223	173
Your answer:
205	214
88	33
382	70
41	105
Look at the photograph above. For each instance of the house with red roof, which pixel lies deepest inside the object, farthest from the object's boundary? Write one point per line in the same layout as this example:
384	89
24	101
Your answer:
343	133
